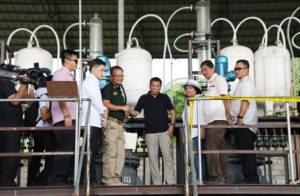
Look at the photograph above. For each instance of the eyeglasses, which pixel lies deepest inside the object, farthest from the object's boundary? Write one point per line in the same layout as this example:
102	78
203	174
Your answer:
118	76
239	68
75	60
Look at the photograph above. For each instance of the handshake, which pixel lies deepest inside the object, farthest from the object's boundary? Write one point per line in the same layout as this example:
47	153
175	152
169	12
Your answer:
129	111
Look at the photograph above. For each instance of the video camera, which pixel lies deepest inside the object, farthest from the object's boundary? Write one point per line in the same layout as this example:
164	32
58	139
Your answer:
36	76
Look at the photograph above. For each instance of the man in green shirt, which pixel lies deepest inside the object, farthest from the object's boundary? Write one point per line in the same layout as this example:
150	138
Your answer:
114	99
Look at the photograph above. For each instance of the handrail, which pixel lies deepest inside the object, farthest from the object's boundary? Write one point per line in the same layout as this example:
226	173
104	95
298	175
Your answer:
288	125
86	135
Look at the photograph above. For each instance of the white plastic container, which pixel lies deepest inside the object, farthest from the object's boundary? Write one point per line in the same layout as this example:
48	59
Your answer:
137	65
234	53
26	57
272	74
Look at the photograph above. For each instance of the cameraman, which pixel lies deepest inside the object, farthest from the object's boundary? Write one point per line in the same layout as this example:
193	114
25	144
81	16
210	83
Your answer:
11	115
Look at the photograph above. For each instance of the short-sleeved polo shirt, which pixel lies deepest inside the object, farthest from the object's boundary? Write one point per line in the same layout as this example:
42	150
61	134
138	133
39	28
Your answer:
214	109
245	88
115	95
155	111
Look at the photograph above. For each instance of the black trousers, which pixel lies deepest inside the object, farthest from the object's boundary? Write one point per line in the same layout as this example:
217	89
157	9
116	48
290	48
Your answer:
95	165
63	165
43	140
9	142
245	141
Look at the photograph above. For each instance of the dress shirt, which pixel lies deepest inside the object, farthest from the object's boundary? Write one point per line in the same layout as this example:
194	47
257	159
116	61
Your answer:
90	89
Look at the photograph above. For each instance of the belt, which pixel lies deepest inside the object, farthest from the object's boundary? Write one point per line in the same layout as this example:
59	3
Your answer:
115	120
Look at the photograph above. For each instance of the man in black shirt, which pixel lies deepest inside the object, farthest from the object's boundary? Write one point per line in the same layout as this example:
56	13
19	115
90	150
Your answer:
156	106
11	115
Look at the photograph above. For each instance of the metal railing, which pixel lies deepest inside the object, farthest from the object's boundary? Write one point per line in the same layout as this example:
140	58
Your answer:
189	151
78	156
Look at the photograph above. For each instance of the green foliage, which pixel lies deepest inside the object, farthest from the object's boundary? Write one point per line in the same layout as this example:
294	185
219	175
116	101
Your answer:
176	93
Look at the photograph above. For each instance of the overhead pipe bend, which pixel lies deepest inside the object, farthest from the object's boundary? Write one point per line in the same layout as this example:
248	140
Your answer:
17	30
251	18
67	30
55	34
228	21
277	40
293	41
284	20
165	31
22	29
179	37
288	32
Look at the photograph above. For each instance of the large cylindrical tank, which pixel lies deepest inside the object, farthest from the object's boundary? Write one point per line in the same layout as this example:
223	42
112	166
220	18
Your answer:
26	57
272	74
234	53
137	65
96	36
203	17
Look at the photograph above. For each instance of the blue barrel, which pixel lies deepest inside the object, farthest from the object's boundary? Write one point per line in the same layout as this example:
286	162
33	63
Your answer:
221	65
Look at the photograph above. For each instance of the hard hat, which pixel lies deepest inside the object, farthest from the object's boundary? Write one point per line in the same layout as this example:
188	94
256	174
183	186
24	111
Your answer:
193	83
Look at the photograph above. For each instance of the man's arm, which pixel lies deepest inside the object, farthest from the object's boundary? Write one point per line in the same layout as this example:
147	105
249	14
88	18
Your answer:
112	107
172	124
66	113
227	107
45	114
243	110
21	93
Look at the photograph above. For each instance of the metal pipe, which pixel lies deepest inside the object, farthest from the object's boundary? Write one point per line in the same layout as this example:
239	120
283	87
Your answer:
186	154
78	109
290	142
84	146
199	141
120	25
190	151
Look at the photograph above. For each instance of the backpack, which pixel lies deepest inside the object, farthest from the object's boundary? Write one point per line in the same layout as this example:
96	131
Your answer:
31	114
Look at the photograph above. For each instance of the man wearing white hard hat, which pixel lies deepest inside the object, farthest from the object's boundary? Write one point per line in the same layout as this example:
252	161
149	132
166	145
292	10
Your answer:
195	117
216	112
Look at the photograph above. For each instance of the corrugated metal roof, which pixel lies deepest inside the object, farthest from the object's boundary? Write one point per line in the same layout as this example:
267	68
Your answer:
61	13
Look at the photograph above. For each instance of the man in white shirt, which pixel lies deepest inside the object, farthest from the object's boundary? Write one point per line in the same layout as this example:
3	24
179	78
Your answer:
216	112
245	113
90	89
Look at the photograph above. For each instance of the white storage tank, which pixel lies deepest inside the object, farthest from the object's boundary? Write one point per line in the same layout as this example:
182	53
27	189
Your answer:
234	53
26	57
272	74
137	65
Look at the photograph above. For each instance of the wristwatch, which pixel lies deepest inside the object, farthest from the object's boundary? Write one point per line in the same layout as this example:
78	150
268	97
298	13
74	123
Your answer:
240	117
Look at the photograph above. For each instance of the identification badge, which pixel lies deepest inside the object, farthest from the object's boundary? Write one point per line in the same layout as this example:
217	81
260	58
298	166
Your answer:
115	93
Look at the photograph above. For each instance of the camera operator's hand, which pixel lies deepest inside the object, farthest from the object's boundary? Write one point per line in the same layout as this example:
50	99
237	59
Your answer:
24	80
68	121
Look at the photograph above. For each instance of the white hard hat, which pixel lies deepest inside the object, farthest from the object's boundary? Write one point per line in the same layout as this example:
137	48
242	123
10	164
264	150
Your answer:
193	83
